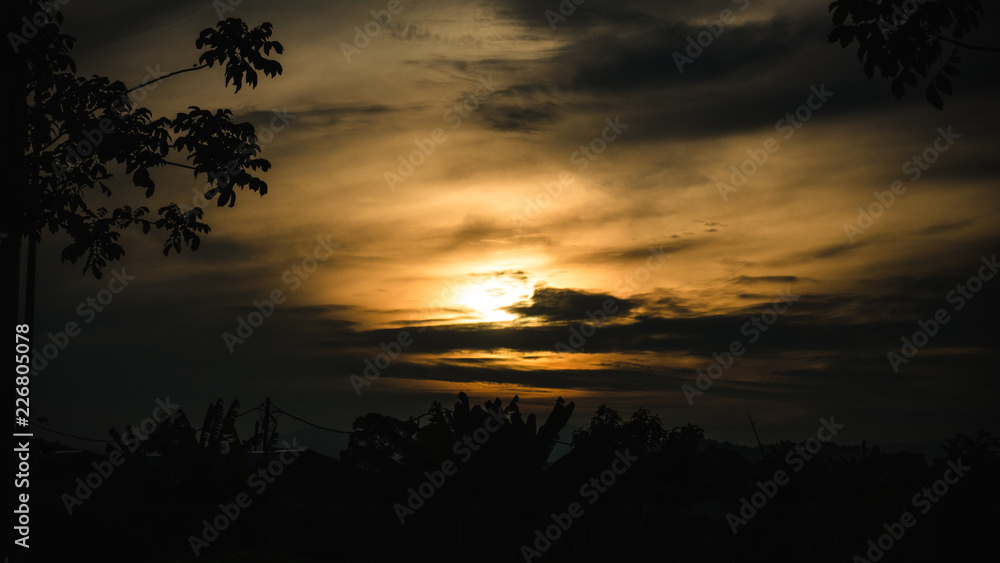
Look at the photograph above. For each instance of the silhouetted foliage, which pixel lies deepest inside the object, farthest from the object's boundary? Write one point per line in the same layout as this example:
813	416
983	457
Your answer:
405	450
607	432
669	504
905	44
211	465
78	126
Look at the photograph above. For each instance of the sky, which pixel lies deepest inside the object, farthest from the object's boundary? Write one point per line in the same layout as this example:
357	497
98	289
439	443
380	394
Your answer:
501	201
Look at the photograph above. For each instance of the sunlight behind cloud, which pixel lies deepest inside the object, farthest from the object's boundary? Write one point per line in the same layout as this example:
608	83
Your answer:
486	300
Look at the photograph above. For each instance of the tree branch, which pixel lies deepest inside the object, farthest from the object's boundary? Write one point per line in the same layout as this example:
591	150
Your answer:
144	84
59	135
180	165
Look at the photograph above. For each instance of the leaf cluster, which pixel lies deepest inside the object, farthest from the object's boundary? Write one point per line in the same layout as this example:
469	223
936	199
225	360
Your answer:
906	47
78	127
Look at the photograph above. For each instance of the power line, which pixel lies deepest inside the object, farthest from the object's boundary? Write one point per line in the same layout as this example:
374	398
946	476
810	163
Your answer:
40	427
68	435
278	409
258	408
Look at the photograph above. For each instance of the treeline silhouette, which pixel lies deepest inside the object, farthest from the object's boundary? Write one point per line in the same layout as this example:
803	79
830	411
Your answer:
475	483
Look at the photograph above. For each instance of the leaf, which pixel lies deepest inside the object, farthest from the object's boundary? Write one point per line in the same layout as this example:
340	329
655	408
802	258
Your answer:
839	13
943	83
934	98
141	178
870	68
846	36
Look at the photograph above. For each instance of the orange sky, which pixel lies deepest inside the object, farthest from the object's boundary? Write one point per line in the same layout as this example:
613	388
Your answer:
459	245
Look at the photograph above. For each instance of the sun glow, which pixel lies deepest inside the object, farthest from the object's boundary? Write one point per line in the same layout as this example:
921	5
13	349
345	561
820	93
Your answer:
485	300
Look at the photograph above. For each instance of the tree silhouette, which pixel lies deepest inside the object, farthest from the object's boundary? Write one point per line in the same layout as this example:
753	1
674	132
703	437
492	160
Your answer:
75	127
669	505
396	442
905	40
607	432
192	467
402	450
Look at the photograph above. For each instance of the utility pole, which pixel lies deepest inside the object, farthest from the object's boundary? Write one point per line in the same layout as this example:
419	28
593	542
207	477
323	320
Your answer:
267	422
759	445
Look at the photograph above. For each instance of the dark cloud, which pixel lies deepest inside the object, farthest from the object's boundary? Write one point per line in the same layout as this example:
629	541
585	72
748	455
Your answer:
748	280
324	115
947	227
411	32
520	118
671	304
474	229
553	304
753	74
528	90
666	249
836	250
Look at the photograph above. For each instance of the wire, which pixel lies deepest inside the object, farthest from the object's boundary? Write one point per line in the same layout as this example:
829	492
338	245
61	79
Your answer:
279	410
255	409
307	422
40	427
68	435
258	408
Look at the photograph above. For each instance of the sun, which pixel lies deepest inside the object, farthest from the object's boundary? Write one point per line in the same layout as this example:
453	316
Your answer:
486	298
